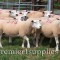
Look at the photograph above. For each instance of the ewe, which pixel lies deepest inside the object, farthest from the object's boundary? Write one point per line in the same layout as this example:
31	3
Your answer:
51	30
21	28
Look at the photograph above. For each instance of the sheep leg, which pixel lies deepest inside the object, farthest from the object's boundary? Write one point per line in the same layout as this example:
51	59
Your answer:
41	40
37	38
27	39
37	43
57	43
23	44
50	40
0	41
10	39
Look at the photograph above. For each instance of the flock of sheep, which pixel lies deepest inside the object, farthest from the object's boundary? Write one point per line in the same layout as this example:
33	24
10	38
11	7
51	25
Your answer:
23	23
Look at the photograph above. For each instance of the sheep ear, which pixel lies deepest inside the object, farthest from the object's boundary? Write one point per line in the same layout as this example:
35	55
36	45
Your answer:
43	12
58	19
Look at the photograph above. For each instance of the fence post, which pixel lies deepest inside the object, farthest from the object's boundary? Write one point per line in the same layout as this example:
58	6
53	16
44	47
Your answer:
7	3
19	5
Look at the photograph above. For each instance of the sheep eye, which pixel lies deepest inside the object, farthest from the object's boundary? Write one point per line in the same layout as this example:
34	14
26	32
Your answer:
20	13
43	13
58	19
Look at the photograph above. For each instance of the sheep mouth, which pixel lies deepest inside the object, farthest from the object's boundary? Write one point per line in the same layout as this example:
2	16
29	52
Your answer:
24	18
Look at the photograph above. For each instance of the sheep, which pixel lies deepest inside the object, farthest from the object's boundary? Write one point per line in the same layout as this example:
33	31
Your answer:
25	13
22	29
34	32
8	13
35	14
14	13
47	13
51	30
4	14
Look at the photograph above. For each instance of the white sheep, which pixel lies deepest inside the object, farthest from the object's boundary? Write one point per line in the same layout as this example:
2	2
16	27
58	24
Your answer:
51	30
14	13
22	28
47	13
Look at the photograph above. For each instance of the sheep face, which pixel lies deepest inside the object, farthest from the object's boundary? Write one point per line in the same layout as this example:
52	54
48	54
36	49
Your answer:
47	13
24	15
13	13
36	24
24	12
18	18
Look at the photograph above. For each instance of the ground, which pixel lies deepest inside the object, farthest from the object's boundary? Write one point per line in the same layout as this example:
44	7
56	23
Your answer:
32	54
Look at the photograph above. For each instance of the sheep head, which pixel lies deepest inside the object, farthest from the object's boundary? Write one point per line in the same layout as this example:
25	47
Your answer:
36	24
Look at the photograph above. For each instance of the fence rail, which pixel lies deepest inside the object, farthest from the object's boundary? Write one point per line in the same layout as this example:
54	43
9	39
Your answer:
20	4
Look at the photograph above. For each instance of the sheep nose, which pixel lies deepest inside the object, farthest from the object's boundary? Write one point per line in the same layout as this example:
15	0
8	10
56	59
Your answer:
22	18
16	14
25	16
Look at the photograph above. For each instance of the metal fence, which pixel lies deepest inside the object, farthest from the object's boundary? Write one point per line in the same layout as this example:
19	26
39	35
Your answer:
18	5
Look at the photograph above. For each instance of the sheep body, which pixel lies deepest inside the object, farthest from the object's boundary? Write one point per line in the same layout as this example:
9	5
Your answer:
35	14
52	30
22	28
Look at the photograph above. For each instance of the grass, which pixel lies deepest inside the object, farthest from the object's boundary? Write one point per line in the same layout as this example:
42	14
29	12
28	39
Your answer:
27	56
32	54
